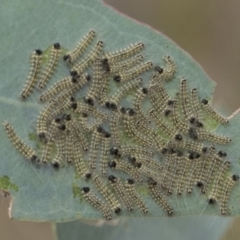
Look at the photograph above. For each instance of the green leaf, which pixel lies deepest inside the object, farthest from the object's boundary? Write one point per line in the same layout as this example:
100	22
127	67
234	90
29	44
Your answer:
185	228
45	194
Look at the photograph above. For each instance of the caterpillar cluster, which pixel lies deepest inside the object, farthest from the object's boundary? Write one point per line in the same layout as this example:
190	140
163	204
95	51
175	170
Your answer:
118	145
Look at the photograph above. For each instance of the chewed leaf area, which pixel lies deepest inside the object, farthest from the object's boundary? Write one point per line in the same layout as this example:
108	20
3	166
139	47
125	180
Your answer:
136	147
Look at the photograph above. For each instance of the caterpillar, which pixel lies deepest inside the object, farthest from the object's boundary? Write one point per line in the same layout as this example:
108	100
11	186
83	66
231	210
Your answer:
104	153
195	104
93	90
119	189
92	199
226	193
124	53
79	67
158	197
137	103
94	146
48	71
25	150
107	194
125	65
131	85
36	58
58	87
131	74
72	56
129	126
169	71
185	100
167	130
213	113
134	196
125	167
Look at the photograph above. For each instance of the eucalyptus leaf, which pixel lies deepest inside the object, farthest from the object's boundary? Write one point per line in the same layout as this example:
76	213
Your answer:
40	193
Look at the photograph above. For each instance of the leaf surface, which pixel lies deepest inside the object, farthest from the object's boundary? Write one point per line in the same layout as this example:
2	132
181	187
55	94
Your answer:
40	192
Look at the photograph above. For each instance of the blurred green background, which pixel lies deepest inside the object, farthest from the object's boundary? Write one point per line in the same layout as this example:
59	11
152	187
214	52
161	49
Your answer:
210	32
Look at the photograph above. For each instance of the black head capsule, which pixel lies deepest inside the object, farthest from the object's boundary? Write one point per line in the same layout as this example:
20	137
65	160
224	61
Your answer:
114	151
62	127
34	158
107	105
193	155
75	79
192	120
42	136
112	164
222	154
167	112
131	112
170	102
105	65
197	155
85	189
178	137
117	78
89	101
56	46
204	150
74	73
113	106
211	201
117	210
204	101
84	115
192	133
88	175
199	184
164	151
132	160
68	117
100	129
112	178
144	90
74	106
130	181
88	77
123	110
152	182
38	52
235	177
171	150
199	124
58	120
104	61
107	135
138	165
158	69
195	122
55	165
66	57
